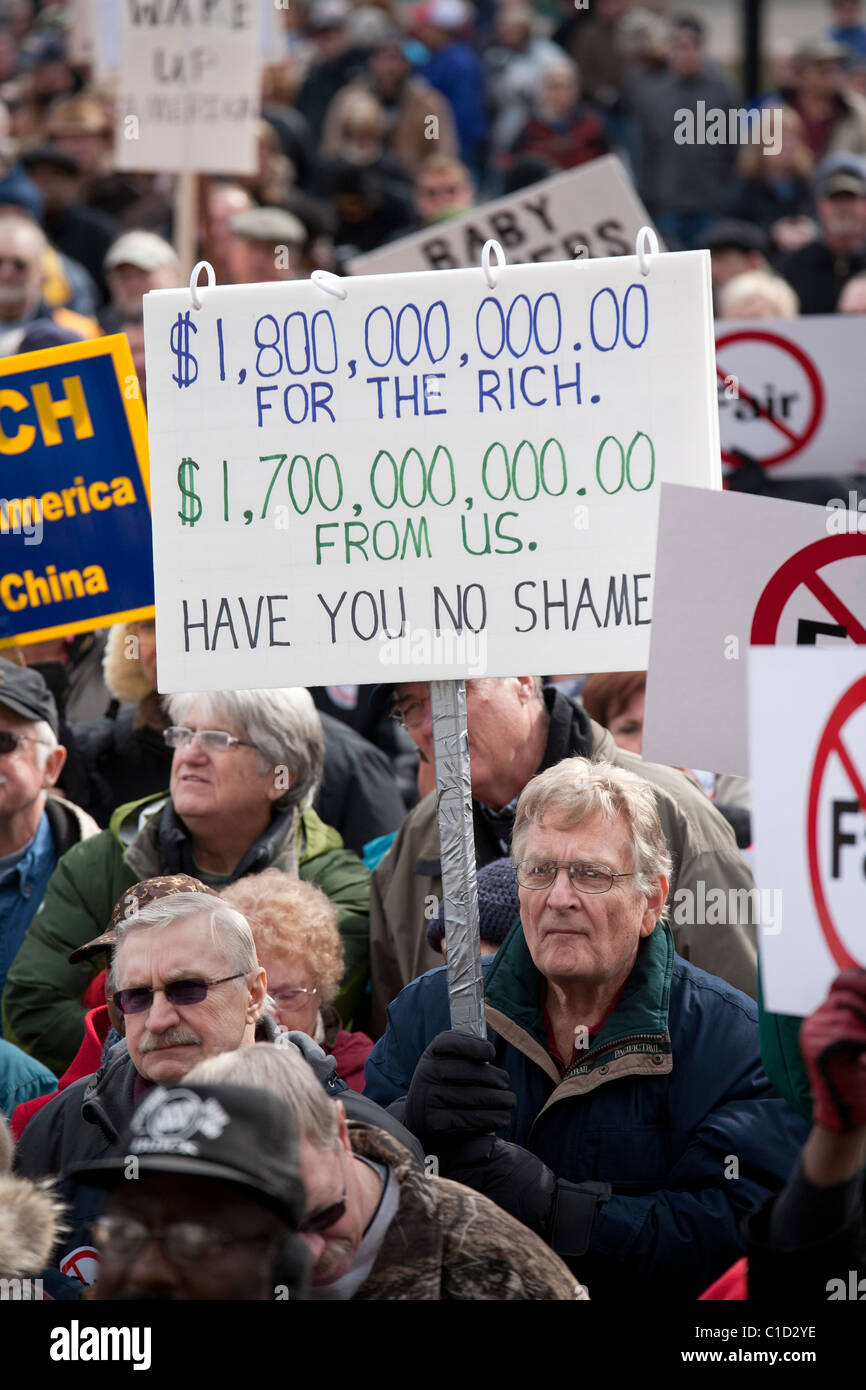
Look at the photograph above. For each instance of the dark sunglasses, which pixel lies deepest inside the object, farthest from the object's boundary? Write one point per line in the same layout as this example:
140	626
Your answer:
179	992
9	741
324	1219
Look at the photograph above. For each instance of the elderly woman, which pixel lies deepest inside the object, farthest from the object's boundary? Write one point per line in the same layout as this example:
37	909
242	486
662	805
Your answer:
294	926
245	768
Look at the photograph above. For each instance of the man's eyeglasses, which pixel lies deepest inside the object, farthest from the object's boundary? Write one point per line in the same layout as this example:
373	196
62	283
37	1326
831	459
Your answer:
183	1242
587	878
291	998
9	741
211	740
324	1219
411	714
179	993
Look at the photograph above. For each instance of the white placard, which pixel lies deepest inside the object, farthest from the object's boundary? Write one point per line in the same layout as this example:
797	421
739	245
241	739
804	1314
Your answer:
730	569
188	92
81	34
807	727
428	454
791	393
594	206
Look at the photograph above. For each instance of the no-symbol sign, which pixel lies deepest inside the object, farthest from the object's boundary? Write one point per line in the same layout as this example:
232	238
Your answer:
817	595
836	829
779	397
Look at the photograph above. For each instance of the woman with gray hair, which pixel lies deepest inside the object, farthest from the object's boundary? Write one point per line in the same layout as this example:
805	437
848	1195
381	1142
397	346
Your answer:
123	756
244	771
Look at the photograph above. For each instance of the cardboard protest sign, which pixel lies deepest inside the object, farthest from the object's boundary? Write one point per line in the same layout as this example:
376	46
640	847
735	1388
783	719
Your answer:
733	570
807	734
74	516
188	93
594	206
430	475
790	393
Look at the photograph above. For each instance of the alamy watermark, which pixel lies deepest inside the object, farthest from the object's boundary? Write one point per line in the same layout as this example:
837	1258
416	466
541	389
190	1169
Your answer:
724	907
714	126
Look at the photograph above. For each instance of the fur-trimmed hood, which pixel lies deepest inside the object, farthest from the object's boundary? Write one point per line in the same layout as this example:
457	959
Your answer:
30	1221
123	673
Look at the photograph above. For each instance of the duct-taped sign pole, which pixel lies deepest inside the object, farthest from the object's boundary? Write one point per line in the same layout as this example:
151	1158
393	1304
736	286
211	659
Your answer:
457	848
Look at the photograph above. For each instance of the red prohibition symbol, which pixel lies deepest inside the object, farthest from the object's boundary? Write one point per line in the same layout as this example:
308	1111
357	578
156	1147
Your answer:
803	568
796	441
832	742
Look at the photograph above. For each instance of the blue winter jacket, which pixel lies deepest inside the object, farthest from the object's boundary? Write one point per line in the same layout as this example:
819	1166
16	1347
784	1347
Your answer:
670	1105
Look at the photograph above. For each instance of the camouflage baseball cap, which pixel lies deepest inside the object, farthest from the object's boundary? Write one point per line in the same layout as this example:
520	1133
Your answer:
134	899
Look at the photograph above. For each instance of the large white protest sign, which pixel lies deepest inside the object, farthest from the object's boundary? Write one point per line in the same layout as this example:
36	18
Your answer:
790	393
733	569
188	91
594	206
428	454
807	733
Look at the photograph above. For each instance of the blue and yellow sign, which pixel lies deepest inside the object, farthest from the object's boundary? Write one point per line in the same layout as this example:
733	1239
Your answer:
75	539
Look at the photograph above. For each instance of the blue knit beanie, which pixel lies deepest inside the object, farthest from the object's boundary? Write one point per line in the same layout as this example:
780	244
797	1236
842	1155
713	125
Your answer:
498	905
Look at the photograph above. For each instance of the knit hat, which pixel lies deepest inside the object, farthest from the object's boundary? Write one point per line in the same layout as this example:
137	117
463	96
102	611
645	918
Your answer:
133	900
498	905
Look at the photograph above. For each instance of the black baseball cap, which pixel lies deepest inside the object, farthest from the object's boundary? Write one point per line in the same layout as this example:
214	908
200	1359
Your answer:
237	1134
24	692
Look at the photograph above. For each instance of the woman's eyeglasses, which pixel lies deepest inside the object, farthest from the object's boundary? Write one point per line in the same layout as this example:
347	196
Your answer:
212	740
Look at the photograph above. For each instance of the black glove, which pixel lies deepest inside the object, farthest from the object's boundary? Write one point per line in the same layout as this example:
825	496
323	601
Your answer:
561	1212
457	1091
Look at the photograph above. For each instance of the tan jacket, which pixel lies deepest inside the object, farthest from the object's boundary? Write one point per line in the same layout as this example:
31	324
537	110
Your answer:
406	886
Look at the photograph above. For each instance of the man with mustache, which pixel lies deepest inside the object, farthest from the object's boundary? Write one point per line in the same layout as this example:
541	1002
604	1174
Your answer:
185	985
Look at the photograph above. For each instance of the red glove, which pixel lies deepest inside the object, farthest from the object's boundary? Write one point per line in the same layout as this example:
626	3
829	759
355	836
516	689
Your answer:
833	1044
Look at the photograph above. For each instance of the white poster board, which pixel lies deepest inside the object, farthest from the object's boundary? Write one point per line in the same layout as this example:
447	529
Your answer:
791	393
733	569
593	206
807	728
188	86
428	478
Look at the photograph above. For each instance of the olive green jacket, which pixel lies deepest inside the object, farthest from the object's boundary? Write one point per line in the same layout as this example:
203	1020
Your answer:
42	1009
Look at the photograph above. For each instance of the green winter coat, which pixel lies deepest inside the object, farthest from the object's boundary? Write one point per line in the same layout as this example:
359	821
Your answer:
42	1009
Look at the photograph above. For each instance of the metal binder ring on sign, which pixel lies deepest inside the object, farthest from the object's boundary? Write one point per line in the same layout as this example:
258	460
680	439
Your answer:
330	283
485	261
645	243
193	281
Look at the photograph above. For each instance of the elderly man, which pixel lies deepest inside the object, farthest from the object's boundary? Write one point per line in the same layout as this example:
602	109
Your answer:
185	977
377	1226
266	244
515	730
639	1124
217	1200
136	263
245	768
36	828
186	985
820	270
26	322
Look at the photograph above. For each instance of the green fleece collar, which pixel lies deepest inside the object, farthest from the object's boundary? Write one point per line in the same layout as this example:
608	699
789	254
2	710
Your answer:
513	986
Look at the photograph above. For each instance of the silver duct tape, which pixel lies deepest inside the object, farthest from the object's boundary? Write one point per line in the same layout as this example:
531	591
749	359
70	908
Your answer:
457	849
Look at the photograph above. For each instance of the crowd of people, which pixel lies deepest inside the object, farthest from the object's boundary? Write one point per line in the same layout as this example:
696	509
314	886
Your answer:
222	917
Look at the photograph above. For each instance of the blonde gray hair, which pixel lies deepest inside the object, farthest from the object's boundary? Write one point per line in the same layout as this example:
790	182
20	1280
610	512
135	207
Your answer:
283	1072
578	788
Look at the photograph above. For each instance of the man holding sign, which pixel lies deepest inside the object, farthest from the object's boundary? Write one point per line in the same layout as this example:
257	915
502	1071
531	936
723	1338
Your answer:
640	1184
515	731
